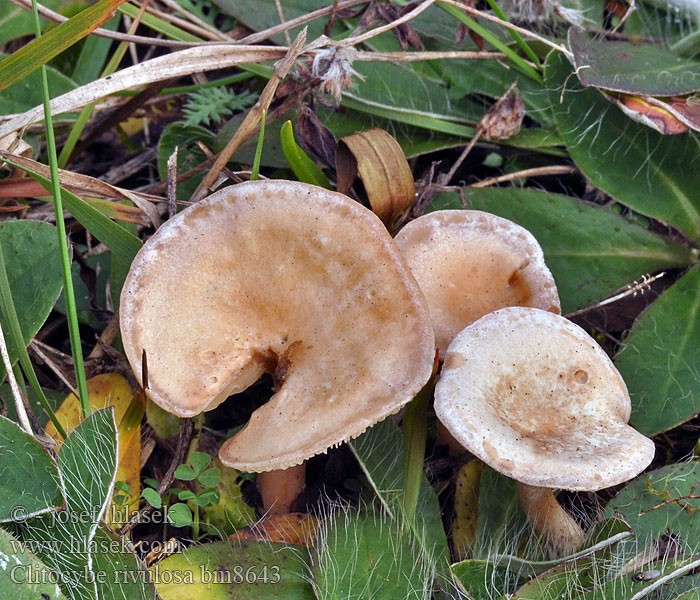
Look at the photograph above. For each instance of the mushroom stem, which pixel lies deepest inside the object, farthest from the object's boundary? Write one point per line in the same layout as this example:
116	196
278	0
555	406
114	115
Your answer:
279	489
550	520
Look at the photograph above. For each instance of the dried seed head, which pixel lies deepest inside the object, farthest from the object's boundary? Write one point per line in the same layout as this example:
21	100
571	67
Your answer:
334	67
504	118
531	11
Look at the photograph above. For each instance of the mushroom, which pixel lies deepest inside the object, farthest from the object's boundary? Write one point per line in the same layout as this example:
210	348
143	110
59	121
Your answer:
284	278
469	263
533	396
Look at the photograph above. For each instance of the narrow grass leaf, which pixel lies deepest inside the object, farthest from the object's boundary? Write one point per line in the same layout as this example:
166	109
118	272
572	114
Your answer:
37	53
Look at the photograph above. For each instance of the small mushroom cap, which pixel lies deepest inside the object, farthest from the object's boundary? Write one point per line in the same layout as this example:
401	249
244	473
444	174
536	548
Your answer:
469	263
285	278
532	395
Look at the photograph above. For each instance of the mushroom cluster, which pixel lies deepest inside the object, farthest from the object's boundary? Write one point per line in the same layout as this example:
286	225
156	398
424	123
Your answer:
522	388
284	278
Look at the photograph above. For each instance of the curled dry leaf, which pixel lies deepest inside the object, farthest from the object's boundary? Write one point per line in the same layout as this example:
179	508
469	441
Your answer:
668	116
382	166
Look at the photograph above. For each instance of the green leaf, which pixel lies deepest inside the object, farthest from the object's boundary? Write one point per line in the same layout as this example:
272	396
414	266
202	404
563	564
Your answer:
199	461
642	69
23	576
367	555
380	453
210	477
656	175
87	461
17	22
185	495
304	168
54	398
26	94
29	483
180	515
644	504
235	569
29	58
231	512
30	249
185	473
660	357
591	250
207	498
101	264
119	573
152	497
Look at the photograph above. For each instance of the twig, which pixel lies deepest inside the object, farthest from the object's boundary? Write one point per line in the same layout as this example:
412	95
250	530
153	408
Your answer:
183	441
251	120
34	347
686	508
416	56
280	14
486	16
213	31
630	290
536	172
172	184
16	394
356	39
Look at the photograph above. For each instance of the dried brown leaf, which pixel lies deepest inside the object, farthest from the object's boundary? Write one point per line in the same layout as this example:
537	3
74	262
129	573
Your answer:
382	166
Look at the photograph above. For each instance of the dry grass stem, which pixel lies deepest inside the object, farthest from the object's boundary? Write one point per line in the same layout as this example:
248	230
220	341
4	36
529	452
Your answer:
537	172
416	56
252	119
16	395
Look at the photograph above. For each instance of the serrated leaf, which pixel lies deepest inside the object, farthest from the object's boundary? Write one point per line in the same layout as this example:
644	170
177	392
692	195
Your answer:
29	481
639	167
591	250
243	569
22	575
660	357
30	249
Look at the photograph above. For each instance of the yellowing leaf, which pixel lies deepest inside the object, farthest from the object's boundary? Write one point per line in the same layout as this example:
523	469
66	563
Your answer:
466	508
382	166
111	389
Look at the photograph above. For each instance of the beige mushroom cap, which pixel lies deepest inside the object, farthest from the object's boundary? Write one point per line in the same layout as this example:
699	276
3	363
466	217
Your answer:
533	396
287	278
469	263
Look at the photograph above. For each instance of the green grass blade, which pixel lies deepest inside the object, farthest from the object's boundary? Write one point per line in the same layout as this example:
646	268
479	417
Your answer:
304	168
518	62
255	170
112	235
515	35
415	432
68	290
17	66
157	24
